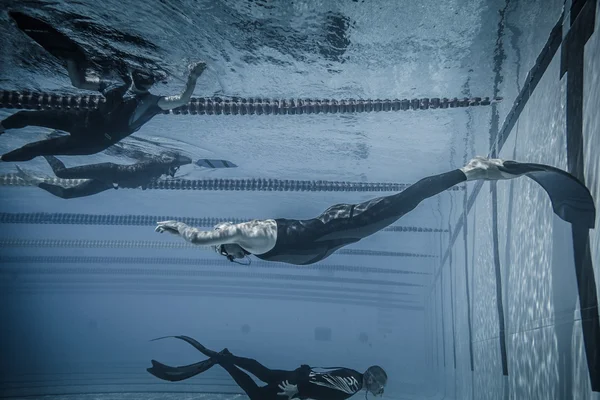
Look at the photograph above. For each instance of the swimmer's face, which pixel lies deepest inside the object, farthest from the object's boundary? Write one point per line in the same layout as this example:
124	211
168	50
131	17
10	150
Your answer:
233	250
230	251
175	160
139	90
142	82
375	380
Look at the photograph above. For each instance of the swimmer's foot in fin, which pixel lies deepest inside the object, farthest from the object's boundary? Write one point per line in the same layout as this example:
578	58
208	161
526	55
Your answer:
490	169
193	342
571	199
176	374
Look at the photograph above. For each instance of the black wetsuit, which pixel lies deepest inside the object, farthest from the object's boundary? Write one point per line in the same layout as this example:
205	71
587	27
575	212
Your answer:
90	131
105	176
334	384
309	241
326	384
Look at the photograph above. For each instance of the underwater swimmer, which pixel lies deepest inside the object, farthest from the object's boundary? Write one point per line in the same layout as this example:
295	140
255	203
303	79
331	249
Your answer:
308	241
126	108
302	383
104	176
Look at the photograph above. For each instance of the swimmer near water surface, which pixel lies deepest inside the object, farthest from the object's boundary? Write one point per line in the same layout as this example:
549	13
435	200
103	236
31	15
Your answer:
127	107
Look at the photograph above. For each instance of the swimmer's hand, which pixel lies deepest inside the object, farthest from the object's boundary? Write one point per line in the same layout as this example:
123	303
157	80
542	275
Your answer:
287	389
197	69
173	227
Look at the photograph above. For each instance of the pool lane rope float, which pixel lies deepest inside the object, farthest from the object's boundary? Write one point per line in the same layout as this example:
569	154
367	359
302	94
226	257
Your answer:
249	184
245	106
196	262
145	270
148	244
148	220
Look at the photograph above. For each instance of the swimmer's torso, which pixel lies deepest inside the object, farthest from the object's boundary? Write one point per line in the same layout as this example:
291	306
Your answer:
337	384
132	113
303	242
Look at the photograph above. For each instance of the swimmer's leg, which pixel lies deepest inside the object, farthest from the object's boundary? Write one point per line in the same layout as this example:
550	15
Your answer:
348	223
58	167
63	145
53	119
174	374
249	364
35	149
571	200
263	373
244	381
105	172
388	209
87	188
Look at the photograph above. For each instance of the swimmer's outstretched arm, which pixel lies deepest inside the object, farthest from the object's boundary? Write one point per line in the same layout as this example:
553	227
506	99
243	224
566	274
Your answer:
171	102
256	236
228	235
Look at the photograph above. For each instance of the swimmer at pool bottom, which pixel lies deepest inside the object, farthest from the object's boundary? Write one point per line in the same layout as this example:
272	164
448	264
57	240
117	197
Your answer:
335	383
305	242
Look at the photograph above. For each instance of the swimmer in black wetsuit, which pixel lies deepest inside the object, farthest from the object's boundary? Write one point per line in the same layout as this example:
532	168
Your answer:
308	241
302	383
125	110
104	176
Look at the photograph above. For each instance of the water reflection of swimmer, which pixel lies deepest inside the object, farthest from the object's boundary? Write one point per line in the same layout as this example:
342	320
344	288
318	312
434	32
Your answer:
126	107
104	176
308	241
303	383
